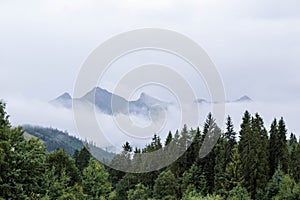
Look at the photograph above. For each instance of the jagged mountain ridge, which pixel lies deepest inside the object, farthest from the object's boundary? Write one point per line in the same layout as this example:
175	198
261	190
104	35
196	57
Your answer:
104	99
243	99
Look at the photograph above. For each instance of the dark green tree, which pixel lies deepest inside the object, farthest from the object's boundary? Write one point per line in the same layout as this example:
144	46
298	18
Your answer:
282	156
95	180
211	133
234	175
21	162
288	189
295	162
194	178
253	149
272	188
273	147
220	166
238	193
230	134
82	158
169	138
63	163
165	185
139	192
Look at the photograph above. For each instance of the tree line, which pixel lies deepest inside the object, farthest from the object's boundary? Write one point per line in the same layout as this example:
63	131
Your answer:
261	164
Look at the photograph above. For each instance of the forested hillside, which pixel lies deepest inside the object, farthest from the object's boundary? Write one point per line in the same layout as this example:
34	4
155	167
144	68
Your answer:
55	139
262	164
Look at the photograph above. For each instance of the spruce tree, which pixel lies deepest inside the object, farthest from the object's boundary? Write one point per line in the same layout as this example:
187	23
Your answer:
210	133
165	186
95	181
273	147
246	151
234	175
22	166
295	163
169	138
282	156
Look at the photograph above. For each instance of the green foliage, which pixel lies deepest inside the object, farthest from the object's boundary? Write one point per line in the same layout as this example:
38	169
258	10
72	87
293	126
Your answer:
295	160
82	158
21	162
253	148
211	132
139	192
282	157
95	181
165	185
288	189
194	178
54	139
256	166
193	195
272	187
234	171
63	163
238	193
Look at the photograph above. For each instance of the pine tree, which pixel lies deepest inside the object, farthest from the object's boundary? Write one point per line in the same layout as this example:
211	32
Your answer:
282	157
293	139
238	193
21	162
95	181
139	192
230	134
165	185
245	150
211	133
82	158
295	162
169	138
63	163
195	178
261	147
273	147
234	175
272	188
220	167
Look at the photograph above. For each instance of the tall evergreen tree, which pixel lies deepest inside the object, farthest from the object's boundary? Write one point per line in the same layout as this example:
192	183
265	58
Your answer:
220	166
169	138
245	149
234	175
194	178
63	163
261	147
282	156
165	186
21	162
273	147
210	133
82	158
295	162
95	181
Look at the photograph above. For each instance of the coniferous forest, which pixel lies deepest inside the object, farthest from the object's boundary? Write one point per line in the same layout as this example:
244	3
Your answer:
258	162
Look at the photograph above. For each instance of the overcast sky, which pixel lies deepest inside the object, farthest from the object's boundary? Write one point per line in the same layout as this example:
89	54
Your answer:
254	44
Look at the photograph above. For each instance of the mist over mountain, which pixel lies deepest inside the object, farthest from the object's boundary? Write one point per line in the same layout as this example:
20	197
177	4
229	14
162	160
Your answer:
112	104
64	100
243	99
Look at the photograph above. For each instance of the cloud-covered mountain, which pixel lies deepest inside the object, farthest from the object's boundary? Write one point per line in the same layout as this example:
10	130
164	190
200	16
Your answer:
64	100
110	103
243	99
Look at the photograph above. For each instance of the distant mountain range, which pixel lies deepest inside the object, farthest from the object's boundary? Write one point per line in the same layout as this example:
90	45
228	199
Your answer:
102	99
243	99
